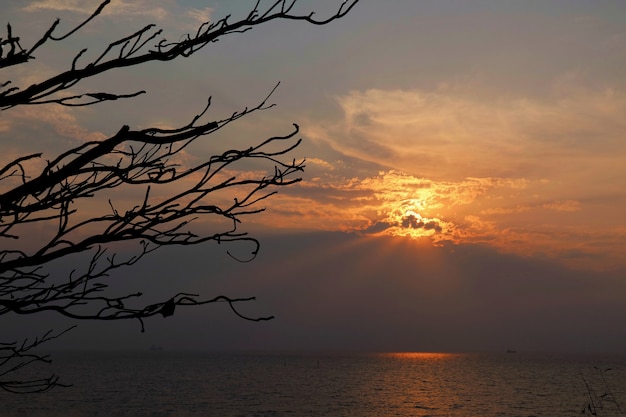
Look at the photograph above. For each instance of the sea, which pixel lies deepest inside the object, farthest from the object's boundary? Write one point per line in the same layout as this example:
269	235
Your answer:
261	384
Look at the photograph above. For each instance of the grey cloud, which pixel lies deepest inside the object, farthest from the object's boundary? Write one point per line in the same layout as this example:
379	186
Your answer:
433	225
413	222
377	228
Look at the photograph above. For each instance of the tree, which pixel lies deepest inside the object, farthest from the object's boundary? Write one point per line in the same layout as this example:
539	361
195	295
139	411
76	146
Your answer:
173	196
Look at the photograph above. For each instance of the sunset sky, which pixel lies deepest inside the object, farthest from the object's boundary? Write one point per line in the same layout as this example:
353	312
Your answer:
465	182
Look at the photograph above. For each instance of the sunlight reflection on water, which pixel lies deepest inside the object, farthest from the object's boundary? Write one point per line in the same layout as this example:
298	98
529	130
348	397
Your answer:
171	384
421	355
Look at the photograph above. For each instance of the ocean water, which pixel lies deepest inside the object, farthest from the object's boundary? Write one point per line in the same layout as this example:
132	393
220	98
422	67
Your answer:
180	384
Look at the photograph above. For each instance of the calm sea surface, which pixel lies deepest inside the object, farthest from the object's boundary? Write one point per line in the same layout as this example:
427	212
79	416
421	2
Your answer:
177	384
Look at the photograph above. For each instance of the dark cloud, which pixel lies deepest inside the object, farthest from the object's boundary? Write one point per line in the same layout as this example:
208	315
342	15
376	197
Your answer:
433	225
377	228
413	222
340	196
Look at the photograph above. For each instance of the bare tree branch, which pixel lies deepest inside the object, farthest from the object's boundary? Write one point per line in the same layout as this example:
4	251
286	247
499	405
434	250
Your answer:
129	52
15	356
181	201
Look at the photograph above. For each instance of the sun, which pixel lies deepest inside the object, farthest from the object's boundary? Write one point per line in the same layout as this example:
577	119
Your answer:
410	218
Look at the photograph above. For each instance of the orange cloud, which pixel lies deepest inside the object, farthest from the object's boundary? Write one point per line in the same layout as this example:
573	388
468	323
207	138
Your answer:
470	211
167	10
392	198
566	206
540	175
454	133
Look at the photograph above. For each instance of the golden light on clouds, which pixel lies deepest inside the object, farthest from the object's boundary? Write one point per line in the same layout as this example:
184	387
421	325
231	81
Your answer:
391	202
412	224
538	176
507	214
459	132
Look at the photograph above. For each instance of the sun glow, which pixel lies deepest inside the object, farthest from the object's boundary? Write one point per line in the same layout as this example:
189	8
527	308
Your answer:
510	215
410	218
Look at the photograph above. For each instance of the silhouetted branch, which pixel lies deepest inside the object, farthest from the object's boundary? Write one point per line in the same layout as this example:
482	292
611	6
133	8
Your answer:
181	200
130	52
15	356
